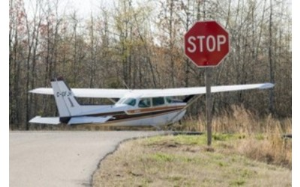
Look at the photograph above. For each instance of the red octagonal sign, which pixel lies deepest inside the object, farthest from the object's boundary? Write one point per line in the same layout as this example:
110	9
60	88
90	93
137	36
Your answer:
206	43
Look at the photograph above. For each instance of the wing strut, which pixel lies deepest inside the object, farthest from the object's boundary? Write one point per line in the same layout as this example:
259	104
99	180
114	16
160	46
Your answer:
186	106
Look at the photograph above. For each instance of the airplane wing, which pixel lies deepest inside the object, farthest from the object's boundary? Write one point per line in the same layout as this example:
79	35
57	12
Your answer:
144	93
202	90
87	92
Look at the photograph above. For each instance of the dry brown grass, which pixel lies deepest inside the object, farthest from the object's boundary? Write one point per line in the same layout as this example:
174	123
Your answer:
260	139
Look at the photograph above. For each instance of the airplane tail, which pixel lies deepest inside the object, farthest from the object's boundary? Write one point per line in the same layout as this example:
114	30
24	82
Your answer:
66	103
69	110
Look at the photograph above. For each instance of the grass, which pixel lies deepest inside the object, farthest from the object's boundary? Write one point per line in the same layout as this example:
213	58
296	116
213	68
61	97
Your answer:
245	151
260	138
180	161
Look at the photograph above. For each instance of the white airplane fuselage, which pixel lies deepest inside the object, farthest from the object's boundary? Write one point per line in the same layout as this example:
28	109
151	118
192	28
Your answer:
135	114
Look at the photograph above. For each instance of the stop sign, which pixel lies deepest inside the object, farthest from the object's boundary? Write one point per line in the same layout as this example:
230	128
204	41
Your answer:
206	43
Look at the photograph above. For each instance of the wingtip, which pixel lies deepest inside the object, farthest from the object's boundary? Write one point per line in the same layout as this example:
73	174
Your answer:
32	91
267	85
46	91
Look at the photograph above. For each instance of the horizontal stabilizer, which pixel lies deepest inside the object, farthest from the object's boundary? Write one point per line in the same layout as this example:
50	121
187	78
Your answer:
45	120
82	120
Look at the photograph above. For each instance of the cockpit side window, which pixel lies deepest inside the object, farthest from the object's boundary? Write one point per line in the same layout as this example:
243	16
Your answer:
168	100
144	103
157	101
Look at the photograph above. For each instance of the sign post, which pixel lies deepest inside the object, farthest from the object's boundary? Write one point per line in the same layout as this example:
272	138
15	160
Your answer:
206	44
208	104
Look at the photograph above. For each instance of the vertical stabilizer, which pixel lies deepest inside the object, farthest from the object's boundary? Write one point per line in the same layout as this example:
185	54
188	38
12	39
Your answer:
64	98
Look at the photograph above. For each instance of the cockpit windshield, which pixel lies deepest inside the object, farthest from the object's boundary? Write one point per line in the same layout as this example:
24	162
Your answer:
128	101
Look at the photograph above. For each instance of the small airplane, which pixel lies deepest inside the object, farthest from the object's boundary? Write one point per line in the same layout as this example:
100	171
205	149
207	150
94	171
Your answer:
142	107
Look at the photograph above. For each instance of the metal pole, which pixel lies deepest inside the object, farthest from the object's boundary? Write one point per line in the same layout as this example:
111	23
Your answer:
208	103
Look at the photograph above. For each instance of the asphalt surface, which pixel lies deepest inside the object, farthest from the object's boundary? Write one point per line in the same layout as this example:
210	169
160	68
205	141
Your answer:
61	158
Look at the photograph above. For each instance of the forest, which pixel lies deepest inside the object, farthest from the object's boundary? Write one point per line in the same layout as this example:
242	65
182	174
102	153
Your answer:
139	44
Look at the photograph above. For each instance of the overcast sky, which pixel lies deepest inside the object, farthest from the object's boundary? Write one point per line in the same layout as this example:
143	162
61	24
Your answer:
83	7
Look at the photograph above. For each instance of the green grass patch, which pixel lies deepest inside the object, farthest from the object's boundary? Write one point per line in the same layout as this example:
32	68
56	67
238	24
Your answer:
260	136
237	182
162	157
226	137
192	140
175	178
